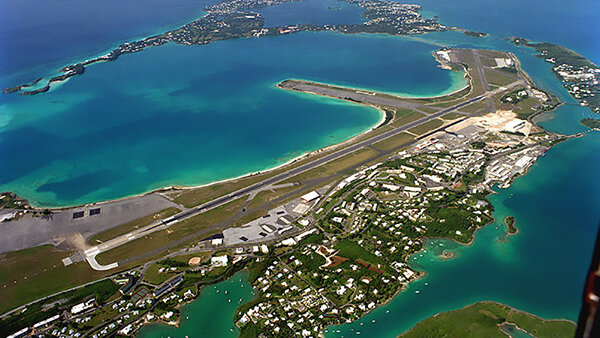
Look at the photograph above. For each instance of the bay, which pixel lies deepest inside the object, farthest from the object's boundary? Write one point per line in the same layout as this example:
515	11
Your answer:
201	319
191	115
39	37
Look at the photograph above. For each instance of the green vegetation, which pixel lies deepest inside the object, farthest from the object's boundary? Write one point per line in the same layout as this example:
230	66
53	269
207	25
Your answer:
577	74
498	78
560	54
475	34
450	99
484	319
426	127
452	116
394	141
335	166
248	217
12	201
591	123
138	223
407	117
451	222
170	267
30	274
352	250
193	197
44	309
510	222
478	145
515	96
257	268
427	110
177	232
474	107
269	195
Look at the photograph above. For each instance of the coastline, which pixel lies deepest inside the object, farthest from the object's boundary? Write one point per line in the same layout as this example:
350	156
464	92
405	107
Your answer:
510	308
175	187
401	95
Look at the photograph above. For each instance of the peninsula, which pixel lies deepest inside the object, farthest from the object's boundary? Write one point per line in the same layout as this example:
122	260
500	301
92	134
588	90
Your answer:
489	319
239	19
325	239
579	76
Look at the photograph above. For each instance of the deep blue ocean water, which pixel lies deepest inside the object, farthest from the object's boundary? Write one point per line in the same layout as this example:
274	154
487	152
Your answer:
179	115
573	24
557	204
39	37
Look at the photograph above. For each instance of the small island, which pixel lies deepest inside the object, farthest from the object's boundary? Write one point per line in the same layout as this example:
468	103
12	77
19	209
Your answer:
591	123
489	319
510	222
476	34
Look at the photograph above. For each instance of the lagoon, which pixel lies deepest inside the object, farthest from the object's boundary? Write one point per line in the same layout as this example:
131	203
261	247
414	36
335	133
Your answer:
165	116
201	319
191	115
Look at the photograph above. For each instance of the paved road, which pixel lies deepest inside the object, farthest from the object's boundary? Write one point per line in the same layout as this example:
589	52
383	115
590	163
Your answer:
483	79
358	95
28	231
163	224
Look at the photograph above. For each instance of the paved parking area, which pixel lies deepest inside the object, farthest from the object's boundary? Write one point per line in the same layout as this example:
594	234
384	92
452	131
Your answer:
88	220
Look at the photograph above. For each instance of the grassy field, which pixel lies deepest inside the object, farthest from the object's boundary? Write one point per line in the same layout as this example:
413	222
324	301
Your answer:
426	127
499	78
407	118
126	228
474	107
483	320
269	195
394	141
192	197
174	233
256	214
102	291
452	116
427	110
525	107
447	100
29	274
152	275
335	166
351	250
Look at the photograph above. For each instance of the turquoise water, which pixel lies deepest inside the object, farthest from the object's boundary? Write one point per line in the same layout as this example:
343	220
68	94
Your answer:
200	318
39	37
540	270
191	115
573	24
178	115
514	331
